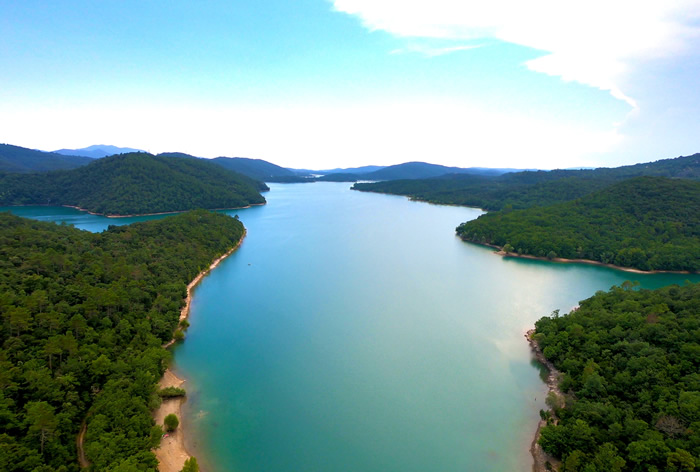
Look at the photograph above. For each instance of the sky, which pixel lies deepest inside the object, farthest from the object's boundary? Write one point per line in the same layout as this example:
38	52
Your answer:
320	84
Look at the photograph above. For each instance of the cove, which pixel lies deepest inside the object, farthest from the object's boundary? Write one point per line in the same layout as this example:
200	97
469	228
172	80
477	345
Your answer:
354	331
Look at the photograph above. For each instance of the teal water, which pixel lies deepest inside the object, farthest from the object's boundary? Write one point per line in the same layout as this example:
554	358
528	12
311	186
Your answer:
355	332
71	216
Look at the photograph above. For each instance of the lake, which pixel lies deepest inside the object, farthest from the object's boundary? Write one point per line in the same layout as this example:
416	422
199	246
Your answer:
355	332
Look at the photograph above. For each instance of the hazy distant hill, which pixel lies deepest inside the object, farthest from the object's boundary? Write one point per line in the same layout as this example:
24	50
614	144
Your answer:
18	159
423	170
407	170
528	188
97	150
649	223
339	170
136	183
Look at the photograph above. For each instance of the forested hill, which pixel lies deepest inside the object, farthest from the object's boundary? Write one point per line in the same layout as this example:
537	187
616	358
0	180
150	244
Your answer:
19	159
136	183
630	362
528	189
254	168
647	223
82	320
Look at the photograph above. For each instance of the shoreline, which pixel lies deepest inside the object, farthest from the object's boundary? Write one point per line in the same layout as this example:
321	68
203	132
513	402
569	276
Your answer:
150	214
539	456
561	260
172	452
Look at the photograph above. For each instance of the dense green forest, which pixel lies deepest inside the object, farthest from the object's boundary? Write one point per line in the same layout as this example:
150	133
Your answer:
135	183
83	318
631	377
648	223
530	188
18	159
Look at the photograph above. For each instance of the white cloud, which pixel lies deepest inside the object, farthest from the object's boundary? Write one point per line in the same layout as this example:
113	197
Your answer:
595	43
431	51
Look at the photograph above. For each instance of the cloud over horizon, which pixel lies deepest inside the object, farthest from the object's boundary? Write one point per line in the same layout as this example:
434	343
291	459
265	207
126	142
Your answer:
597	44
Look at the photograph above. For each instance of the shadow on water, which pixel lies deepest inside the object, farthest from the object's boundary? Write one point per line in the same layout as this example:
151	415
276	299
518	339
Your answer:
541	368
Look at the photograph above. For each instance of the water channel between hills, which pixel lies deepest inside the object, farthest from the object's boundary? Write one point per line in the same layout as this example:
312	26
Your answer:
355	332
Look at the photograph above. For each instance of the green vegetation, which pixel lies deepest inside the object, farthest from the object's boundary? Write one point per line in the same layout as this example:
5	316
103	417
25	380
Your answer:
136	183
171	422
83	318
648	223
15	159
630	362
190	465
254	168
171	392
527	189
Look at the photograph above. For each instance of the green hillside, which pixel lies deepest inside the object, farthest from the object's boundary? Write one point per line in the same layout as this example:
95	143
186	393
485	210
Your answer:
254	168
136	183
15	159
648	223
82	320
630	362
528	189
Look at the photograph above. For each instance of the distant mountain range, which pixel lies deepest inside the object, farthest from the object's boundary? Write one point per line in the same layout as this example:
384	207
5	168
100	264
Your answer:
16	159
97	150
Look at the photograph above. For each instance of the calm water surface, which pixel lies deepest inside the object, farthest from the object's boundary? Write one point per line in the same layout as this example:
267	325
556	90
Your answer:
354	332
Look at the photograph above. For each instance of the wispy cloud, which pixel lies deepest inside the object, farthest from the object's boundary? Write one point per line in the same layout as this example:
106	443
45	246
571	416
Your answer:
432	51
596	43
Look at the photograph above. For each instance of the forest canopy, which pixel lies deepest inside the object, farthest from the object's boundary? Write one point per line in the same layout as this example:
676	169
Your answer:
83	318
517	190
135	183
647	223
630	361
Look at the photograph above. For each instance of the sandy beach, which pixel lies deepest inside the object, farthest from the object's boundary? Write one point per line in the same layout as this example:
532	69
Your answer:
172	453
502	253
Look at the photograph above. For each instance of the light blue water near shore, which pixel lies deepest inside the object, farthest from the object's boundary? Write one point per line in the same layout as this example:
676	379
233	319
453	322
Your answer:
355	332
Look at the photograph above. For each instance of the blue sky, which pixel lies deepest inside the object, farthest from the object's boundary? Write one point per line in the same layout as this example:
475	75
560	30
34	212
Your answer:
321	84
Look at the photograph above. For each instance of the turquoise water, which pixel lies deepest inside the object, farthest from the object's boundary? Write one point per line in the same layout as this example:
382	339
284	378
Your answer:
79	219
354	332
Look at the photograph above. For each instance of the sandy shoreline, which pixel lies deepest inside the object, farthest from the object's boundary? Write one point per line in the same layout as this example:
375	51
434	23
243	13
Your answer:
502	253
150	214
541	458
172	452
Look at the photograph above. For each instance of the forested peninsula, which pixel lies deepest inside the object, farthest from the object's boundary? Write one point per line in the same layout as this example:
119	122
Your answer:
83	320
134	184
646	223
630	361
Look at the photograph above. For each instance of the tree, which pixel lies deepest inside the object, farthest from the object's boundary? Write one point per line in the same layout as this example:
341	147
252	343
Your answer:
171	422
41	420
680	461
190	465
